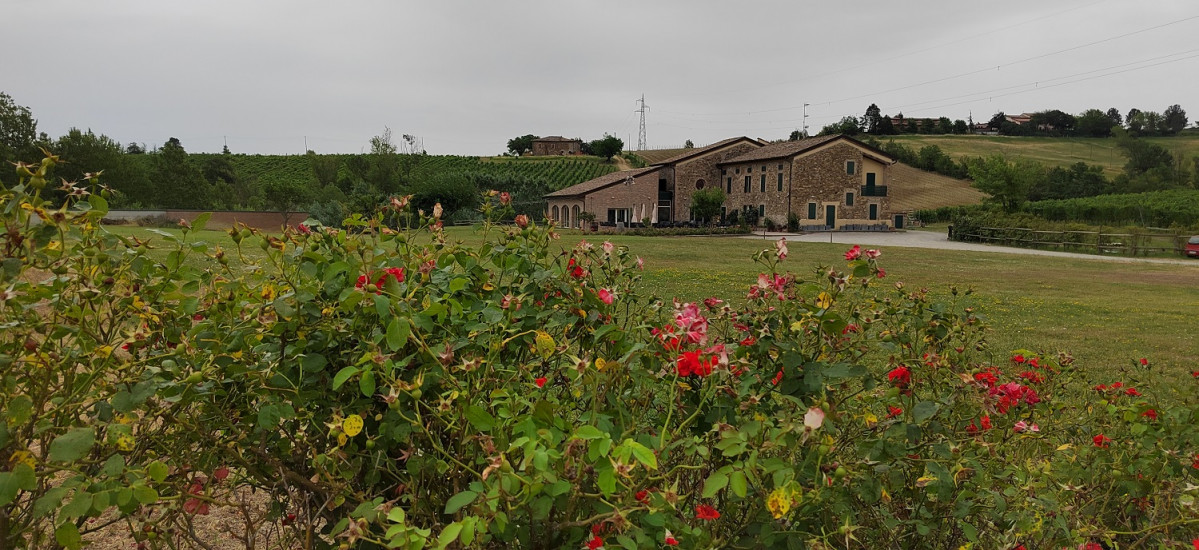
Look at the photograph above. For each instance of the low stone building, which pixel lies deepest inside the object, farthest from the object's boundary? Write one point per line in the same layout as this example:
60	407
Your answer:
557	145
829	182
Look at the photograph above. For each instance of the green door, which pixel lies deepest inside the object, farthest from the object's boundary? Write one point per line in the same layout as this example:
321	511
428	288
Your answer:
830	216
899	221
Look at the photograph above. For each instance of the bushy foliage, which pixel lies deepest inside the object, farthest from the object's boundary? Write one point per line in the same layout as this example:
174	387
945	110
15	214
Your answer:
391	388
1154	209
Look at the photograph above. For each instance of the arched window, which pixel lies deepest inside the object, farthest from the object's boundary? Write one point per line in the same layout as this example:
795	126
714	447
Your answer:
574	216
554	214
699	183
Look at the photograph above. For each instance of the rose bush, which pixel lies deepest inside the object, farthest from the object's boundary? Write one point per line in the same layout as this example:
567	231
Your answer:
388	387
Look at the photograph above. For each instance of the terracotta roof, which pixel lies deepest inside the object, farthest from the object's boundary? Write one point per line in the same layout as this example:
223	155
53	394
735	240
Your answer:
703	150
600	182
791	148
556	138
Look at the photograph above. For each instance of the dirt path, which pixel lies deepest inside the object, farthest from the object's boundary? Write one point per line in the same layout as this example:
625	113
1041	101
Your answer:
622	163
935	240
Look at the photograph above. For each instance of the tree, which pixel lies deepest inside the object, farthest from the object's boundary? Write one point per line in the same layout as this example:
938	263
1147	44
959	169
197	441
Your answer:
849	126
795	135
1153	123
872	120
886	127
607	147
83	152
1053	122
1114	114
1135	120
997	121
706	203
1007	183
1079	180
324	168
944	125
18	134
1094	123
960	127
521	145
384	163
688	145
177	184
1174	119
285	196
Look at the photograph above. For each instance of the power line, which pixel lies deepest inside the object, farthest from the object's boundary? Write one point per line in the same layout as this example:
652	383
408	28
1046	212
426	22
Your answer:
952	77
641	131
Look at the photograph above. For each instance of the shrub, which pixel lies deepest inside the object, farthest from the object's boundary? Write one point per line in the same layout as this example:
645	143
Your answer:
390	387
792	222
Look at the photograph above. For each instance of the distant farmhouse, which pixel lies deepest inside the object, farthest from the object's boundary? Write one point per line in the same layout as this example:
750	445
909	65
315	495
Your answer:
829	182
557	145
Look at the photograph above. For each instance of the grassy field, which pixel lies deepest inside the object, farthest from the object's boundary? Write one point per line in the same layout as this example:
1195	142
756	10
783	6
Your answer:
1049	151
1106	314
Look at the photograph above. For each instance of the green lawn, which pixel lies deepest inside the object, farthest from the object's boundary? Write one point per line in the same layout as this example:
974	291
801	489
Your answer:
1106	314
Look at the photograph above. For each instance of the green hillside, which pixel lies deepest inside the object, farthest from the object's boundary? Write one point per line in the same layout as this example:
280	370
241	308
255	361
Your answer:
1049	151
557	172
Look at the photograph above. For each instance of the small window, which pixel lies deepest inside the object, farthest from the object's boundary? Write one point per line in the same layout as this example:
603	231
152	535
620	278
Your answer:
763	167
874	211
724	171
763	183
780	166
699	183
749	169
723	212
747	183
729	183
761	211
780	178
849	199
850	167
812	211
738	171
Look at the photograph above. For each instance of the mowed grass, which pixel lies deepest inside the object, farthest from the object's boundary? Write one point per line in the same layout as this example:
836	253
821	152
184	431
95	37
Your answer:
1106	314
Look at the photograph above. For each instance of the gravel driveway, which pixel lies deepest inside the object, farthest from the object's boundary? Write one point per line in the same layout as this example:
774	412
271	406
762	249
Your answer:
937	240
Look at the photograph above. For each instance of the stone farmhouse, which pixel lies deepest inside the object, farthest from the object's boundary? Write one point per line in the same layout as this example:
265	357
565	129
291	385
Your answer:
829	182
556	145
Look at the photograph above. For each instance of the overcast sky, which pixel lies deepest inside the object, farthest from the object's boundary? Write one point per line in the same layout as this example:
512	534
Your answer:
467	76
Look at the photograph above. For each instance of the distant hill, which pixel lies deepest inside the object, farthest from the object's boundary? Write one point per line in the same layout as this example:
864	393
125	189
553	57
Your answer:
557	172
1048	151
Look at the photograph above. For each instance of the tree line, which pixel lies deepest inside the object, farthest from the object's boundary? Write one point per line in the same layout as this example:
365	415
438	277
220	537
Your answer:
1051	123
607	146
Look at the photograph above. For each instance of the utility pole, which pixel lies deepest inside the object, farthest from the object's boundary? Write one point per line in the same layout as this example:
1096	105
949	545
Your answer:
805	119
641	133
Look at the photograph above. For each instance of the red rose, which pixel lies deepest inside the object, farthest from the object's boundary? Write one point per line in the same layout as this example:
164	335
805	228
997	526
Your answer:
540	382
900	376
1102	441
705	512
522	221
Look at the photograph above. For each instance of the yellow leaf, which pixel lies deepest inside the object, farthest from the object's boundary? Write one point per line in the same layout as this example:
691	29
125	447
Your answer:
600	364
824	300
1063	446
104	351
871	420
352	425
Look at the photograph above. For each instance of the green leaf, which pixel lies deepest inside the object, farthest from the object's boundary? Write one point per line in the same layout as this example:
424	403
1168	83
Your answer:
343	375
588	432
72	445
970	531
449	534
382	305
397	333
607	481
643	454
284	308
157	471
198	223
480	418
78	507
366	384
145	495
738	483
924	410
459	500
457	284
20	410
714	484
68	535
313	362
99	206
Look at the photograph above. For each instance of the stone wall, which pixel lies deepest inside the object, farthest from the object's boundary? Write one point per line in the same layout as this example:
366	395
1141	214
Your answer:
638	198
821	177
544	148
771	202
688	173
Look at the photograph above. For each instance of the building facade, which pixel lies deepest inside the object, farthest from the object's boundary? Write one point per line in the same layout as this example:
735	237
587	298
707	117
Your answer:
828	182
556	145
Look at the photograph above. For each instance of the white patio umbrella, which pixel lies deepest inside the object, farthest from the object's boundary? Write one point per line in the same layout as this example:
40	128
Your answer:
654	221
